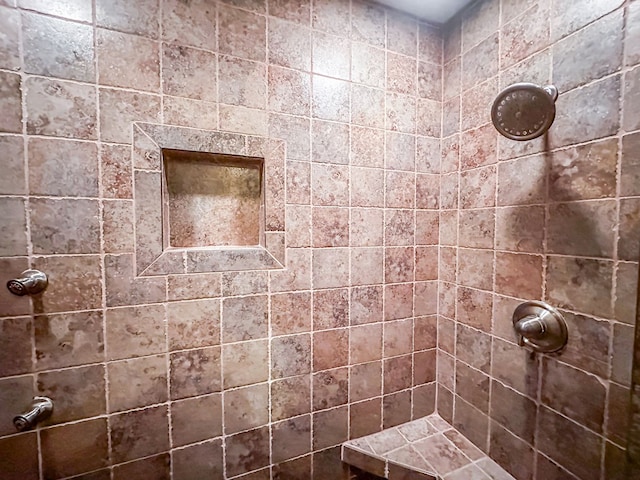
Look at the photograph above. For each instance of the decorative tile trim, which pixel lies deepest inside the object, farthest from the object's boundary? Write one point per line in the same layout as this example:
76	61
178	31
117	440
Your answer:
154	256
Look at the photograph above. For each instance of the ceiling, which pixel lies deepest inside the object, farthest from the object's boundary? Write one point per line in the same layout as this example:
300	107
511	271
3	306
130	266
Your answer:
435	11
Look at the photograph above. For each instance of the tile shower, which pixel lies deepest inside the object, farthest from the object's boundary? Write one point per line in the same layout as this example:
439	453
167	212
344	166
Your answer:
410	233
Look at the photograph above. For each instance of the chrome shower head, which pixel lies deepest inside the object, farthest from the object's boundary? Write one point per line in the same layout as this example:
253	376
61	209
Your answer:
524	111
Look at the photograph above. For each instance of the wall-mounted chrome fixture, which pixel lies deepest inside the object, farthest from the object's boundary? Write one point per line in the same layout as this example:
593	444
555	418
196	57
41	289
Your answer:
39	410
31	282
540	327
524	111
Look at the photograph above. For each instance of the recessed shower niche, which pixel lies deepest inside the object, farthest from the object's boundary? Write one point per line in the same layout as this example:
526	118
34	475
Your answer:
206	201
212	200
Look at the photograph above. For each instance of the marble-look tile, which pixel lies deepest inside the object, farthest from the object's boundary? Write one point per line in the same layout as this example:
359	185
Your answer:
555	430
68	339
331	55
368	24
247	451
525	35
477	187
116	171
10	100
90	443
139	433
515	367
443	455
402	33
63	168
330	309
330	427
475	268
365	343
118	108
429	81
400	151
54	230
327	140
135	331
246	408
241	82
10	44
291	355
631	98
366	381
522	182
199	461
13	227
398	302
140	19
330	268
330	349
476	228
568	18
603	39
16	335
480	62
589	119
60	109
13	179
365	417
289	91
244	318
330	388
631	52
366	305
473	347
475	105
196	419
297	11
519	275
245	363
189	24
241	33
514	411
80	10
580	284
367	65
366	227
193	324
137	382
290	397
330	227
367	147
582	228
195	372
399	264
75	282
291	438
127	61
400	188
188	72
429	121
289	44
520	229
117	226
576	394
290	313
478	147
58	48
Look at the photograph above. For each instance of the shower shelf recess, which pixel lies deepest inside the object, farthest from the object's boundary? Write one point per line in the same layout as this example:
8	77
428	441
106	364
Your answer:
425	449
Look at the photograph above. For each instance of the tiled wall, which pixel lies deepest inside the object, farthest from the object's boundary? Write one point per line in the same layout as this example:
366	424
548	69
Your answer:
528	221
340	344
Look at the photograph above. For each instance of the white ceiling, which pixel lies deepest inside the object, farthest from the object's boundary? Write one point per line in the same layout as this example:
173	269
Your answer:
435	11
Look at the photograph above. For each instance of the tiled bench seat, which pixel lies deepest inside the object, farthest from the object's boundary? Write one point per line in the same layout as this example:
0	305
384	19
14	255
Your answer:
426	449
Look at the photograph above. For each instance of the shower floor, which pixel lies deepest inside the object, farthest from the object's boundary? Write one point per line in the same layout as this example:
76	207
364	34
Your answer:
426	449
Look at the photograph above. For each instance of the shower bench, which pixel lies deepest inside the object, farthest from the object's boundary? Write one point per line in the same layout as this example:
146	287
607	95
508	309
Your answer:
426	449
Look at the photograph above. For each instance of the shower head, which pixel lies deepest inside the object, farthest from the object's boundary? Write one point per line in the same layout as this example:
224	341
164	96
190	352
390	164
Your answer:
524	111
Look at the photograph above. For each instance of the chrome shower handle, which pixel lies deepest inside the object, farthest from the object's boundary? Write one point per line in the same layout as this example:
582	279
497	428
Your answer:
31	282
40	409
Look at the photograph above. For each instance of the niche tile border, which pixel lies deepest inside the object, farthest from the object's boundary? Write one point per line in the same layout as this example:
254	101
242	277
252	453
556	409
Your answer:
153	255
